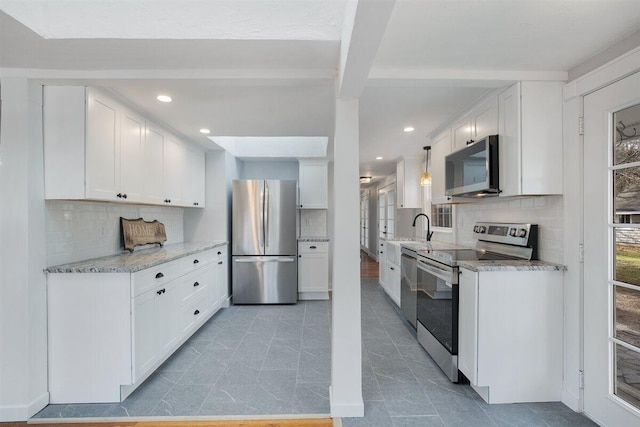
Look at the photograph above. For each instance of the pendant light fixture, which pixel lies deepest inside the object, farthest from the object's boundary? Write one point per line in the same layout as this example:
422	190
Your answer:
425	179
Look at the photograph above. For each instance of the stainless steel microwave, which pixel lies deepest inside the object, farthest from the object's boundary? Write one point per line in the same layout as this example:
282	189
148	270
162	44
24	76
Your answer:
473	171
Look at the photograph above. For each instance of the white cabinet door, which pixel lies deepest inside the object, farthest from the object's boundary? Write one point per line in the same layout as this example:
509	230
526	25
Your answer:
462	133
509	142
382	264
393	282
484	118
313	272
222	276
145	334
408	171
132	155
173	164
193	178
102	145
154	161
313	184
468	325
439	149
166	320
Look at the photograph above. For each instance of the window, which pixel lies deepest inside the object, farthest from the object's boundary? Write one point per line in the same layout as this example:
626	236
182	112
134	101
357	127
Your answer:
441	215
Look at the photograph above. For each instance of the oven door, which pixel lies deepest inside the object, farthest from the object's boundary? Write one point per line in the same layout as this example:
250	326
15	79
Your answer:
437	302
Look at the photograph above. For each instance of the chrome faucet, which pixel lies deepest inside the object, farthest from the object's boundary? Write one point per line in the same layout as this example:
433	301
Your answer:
429	232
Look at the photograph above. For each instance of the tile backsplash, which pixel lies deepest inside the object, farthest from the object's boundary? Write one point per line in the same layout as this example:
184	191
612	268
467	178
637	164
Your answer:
313	222
84	230
546	211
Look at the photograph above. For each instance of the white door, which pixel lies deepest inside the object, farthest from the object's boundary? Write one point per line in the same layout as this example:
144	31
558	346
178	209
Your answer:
612	253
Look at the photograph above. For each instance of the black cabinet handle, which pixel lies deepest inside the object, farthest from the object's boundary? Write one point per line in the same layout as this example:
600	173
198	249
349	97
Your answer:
300	205
219	253
161	291
167	200
219	262
313	247
195	313
159	276
392	268
124	196
196	284
381	252
195	261
299	256
119	195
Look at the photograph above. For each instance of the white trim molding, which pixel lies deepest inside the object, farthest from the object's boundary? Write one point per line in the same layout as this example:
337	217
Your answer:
24	412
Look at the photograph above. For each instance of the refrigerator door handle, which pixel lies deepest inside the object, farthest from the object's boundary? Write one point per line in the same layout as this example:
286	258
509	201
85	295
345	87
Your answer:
267	206
259	259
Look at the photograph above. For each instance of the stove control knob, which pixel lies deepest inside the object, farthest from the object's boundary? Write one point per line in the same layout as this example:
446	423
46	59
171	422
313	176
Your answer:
482	229
522	232
512	232
475	228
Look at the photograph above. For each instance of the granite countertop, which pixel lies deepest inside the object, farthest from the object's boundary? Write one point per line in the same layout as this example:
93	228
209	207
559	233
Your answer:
511	265
313	239
137	260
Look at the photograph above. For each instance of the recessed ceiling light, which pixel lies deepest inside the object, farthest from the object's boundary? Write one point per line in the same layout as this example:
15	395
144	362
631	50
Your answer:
409	129
205	131
164	98
379	158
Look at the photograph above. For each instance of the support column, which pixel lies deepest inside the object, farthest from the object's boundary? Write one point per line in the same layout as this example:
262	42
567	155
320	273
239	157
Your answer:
23	298
346	350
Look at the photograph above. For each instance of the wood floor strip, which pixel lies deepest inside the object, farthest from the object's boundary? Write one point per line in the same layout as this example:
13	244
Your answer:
307	422
368	266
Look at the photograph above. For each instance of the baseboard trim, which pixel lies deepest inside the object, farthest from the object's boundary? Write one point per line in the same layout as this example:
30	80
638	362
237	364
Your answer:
24	412
226	303
321	295
572	401
345	409
128	420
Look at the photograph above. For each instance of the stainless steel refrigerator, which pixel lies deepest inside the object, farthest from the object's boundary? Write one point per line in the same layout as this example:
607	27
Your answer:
264	242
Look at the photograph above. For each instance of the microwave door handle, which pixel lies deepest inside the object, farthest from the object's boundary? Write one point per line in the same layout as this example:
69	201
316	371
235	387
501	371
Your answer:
446	275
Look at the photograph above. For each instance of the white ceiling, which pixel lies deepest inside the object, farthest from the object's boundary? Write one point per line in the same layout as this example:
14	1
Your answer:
267	67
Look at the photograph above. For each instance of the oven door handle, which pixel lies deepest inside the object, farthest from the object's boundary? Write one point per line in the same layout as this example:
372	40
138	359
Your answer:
441	273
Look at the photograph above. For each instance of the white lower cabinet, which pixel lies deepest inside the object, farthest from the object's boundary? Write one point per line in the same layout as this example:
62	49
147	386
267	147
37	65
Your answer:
393	282
382	263
109	331
313	270
510	334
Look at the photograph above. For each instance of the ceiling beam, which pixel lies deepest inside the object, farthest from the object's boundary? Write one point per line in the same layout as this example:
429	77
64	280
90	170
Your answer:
365	23
433	77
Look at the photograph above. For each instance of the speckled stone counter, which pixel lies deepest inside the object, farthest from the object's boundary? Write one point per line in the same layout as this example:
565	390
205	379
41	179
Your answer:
511	265
136	261
313	239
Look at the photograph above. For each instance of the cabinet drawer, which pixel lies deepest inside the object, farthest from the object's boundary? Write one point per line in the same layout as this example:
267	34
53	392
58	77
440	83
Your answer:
190	314
195	261
193	284
312	247
147	279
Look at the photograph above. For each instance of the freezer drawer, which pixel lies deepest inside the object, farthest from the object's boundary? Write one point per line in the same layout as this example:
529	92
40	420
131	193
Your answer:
265	280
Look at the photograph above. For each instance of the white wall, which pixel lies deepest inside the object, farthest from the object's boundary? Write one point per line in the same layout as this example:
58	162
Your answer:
23	331
267	169
83	230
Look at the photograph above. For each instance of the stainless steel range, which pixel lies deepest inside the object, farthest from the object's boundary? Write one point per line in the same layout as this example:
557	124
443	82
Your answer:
430	278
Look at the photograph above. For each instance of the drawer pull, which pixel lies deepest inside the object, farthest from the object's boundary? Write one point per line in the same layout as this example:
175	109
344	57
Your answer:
313	247
392	268
195	261
159	276
195	313
219	253
219	262
161	291
196	284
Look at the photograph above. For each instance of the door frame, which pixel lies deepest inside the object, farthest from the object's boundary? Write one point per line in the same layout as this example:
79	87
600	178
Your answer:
572	151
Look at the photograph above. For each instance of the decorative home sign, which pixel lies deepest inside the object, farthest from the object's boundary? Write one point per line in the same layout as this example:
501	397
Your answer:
138	232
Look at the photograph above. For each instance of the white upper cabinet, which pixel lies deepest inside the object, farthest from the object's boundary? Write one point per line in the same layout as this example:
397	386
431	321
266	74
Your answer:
408	171
173	168
440	147
530	139
313	182
193	178
132	152
102	148
481	121
96	148
154	160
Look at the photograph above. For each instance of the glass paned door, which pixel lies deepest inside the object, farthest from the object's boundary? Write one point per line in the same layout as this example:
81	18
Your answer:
625	239
611	267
